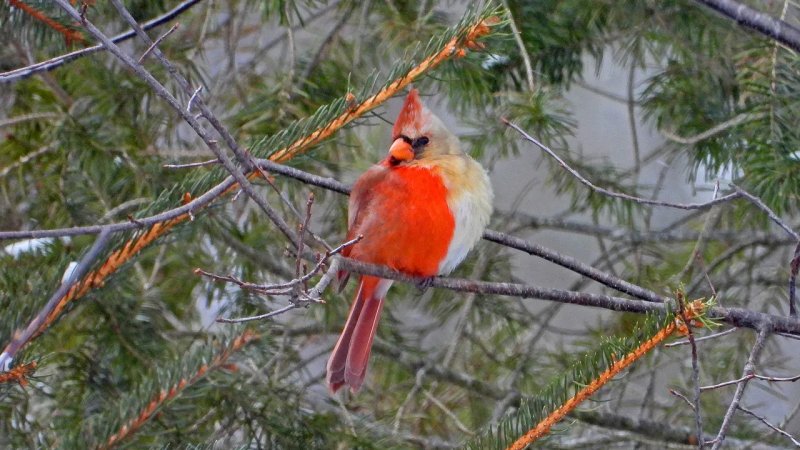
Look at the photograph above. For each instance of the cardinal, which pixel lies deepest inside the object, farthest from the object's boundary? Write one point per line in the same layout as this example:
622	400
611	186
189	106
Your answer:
420	211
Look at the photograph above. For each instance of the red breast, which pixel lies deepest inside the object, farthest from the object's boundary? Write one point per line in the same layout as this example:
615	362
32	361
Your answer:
404	217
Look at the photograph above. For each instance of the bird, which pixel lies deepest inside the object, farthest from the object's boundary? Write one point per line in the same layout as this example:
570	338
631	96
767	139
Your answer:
419	211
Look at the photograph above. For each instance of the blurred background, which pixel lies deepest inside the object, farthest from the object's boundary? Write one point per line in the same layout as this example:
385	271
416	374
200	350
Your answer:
658	99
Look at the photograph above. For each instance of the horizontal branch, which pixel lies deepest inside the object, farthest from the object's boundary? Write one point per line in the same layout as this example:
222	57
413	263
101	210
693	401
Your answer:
739	317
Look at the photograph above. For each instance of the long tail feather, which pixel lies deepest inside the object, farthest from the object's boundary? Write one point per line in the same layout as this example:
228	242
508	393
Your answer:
350	357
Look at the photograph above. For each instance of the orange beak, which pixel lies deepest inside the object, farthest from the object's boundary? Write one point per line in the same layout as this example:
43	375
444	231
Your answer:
401	150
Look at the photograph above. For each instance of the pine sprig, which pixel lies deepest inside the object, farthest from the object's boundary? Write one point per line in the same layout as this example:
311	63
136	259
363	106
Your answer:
70	35
157	401
538	414
330	118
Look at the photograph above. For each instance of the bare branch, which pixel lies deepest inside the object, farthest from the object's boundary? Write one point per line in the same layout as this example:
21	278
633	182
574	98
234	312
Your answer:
298	297
158	41
771	214
715	130
698	418
749	367
704	338
680	395
764	420
764	24
739	317
192	165
592	186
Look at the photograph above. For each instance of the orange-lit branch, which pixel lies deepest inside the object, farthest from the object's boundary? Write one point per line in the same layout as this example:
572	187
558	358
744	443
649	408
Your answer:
453	47
19	374
114	261
165	395
692	311
135	245
70	36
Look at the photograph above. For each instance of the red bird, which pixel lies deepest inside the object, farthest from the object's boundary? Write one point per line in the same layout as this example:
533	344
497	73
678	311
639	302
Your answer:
420	211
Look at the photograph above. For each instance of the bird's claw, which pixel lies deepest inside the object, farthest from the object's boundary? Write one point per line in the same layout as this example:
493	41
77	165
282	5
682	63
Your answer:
424	284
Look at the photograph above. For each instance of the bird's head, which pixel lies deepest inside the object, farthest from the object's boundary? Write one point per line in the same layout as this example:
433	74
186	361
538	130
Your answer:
419	135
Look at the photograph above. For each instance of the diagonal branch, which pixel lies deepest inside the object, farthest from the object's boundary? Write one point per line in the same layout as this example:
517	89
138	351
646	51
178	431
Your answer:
54	63
592	186
165	395
762	23
692	311
55	304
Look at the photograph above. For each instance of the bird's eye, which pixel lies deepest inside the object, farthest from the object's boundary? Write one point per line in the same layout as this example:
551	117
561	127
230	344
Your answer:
419	142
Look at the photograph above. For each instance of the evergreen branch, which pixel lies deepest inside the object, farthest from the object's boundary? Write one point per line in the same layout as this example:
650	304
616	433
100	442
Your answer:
65	292
159	228
70	35
19	374
651	428
95	278
618	365
165	395
454	47
763	23
15	75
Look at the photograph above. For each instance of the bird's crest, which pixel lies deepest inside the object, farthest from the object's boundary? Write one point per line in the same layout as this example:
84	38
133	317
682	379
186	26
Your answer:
411	116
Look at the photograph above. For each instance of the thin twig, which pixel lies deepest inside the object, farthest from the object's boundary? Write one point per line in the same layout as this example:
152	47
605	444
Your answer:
286	308
573	172
26	158
749	367
158	41
194	96
751	376
764	420
28	117
192	165
526	58
713	131
298	298
700	339
771	214
680	395
698	418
